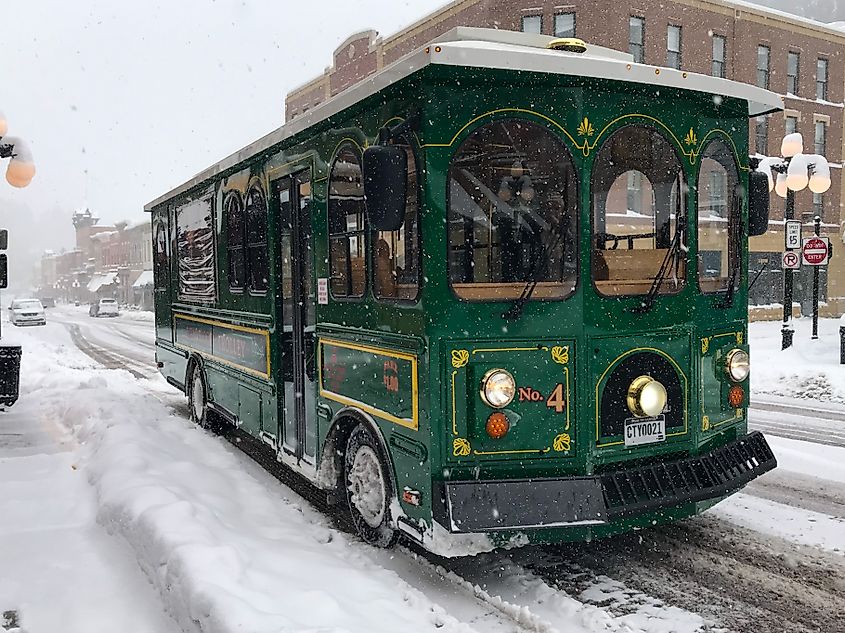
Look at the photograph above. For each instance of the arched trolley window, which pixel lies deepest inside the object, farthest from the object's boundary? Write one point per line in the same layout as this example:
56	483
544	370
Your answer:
513	213
639	210
235	228
256	239
347	226
396	254
720	201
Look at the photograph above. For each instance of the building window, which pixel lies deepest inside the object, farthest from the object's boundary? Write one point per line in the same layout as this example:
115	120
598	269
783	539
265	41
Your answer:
821	138
565	25
235	225
793	64
195	245
396	256
818	205
761	135
532	24
719	47
636	38
821	79
347	226
764	54
673	46
791	124
256	239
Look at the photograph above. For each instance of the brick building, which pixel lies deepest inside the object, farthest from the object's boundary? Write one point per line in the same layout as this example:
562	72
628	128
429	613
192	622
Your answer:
796	57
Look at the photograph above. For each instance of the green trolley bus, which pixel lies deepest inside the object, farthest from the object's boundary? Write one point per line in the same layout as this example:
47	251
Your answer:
493	294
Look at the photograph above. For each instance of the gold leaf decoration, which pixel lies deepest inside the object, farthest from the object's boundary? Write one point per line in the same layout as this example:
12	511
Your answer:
562	443
461	447
705	345
705	423
691	138
739	338
585	128
560	354
460	357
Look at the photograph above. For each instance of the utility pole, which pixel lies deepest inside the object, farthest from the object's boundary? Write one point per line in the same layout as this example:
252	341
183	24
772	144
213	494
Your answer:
787	331
817	222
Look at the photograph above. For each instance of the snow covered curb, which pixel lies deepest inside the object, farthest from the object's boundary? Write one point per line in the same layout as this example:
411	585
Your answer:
223	553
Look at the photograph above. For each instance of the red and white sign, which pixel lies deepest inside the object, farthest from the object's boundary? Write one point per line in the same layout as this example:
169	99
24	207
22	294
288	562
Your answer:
791	260
816	251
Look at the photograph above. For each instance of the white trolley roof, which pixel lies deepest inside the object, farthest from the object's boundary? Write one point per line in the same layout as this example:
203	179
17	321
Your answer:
508	50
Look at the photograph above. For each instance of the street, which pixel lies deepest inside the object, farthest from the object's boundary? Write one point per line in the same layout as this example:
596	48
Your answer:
726	570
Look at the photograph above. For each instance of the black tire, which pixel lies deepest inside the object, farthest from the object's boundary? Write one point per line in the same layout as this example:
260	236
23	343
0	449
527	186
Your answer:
197	392
364	453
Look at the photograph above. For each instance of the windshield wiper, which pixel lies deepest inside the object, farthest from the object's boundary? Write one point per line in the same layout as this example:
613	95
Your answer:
671	259
736	255
515	311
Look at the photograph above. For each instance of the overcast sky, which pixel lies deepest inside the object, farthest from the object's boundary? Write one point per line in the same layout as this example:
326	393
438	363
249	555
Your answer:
121	101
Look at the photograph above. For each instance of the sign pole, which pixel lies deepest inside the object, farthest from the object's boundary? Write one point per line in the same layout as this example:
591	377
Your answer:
817	230
786	331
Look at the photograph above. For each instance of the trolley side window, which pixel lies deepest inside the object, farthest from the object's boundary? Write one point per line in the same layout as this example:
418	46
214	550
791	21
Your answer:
639	207
396	256
161	258
235	226
195	245
513	213
256	239
347	226
719	218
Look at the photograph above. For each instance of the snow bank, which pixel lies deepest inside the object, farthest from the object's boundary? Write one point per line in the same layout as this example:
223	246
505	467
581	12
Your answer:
223	553
808	370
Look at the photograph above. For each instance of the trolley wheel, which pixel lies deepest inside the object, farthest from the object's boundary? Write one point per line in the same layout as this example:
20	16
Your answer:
198	397
368	488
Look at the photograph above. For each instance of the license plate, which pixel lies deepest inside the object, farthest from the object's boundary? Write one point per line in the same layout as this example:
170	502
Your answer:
645	430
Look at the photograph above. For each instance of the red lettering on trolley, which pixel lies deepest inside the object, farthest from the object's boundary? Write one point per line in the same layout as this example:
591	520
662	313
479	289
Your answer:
391	376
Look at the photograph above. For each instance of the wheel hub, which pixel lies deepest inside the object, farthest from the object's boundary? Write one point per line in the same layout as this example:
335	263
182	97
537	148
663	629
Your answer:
366	484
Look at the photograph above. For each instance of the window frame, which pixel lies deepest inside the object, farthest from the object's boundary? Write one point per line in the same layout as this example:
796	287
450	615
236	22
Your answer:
255	184
735	215
820	125
786	120
796	78
562	14
722	62
355	150
669	52
576	241
686	207
822	85
767	71
207	197
529	16
229	197
641	43
415	153
762	120
162	272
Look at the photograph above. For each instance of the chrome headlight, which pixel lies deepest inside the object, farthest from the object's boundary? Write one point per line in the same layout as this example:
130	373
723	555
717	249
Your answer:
738	365
646	397
497	388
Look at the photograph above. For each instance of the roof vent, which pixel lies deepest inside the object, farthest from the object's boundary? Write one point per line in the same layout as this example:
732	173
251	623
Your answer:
568	44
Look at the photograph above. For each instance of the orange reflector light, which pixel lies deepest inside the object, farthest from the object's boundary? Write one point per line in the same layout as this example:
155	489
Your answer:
498	425
736	395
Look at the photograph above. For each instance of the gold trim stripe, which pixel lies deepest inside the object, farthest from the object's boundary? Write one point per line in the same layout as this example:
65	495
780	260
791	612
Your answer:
413	423
228	326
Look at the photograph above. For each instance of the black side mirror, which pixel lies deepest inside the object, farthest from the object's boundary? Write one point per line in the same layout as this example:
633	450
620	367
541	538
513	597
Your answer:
385	185
758	203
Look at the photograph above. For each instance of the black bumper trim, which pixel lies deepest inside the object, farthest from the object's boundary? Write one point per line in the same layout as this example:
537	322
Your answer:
487	506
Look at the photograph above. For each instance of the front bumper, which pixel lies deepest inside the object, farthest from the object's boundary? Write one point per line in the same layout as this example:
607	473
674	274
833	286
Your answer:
488	506
30	321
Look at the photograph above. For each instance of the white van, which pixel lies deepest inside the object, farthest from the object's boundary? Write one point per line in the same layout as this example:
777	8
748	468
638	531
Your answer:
27	312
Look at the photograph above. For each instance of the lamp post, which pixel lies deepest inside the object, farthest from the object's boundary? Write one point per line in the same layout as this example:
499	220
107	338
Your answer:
795	172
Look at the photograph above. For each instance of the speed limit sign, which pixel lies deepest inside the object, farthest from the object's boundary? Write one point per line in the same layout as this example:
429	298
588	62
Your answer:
791	260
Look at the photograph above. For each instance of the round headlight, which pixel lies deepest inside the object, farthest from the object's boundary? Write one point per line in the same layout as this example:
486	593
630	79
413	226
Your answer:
646	397
497	388
738	365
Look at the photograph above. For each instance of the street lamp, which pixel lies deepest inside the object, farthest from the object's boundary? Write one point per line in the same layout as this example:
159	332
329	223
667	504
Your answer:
21	168
795	172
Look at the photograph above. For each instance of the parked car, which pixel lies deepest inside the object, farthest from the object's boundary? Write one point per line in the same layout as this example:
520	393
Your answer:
103	307
27	312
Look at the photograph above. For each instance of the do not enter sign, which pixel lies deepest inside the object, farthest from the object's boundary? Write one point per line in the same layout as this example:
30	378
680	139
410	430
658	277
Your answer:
816	251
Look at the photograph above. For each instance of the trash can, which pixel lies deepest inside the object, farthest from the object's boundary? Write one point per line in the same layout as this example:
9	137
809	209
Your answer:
10	373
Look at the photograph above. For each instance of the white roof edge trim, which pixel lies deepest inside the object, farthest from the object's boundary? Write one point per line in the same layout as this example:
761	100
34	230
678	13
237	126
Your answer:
493	48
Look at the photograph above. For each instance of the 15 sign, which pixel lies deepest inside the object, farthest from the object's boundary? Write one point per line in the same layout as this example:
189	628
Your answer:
793	234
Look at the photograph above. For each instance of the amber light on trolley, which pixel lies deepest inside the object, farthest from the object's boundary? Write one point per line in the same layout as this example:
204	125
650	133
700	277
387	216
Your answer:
497	425
736	396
